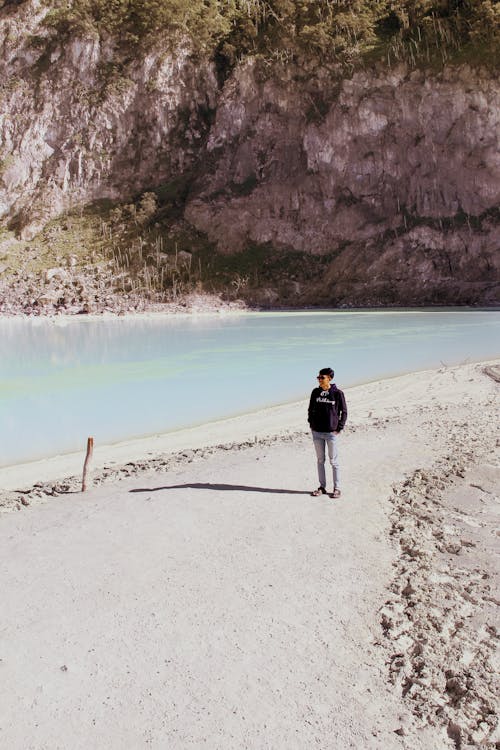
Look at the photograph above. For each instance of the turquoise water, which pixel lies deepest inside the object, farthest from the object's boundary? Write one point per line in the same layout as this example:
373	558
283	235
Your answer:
115	379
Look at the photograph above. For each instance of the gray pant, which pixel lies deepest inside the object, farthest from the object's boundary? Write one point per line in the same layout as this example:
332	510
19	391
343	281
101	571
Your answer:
322	439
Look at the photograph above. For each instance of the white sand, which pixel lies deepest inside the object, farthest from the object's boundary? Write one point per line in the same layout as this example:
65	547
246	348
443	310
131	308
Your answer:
216	604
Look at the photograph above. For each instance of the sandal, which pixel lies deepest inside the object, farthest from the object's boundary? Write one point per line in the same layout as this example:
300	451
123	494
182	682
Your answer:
318	492
336	493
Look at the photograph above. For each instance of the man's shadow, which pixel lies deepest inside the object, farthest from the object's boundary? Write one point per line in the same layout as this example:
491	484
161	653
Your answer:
210	486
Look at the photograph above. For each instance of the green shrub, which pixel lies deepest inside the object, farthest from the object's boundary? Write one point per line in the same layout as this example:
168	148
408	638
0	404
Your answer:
339	31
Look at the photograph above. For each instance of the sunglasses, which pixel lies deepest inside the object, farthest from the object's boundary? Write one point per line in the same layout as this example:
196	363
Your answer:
321	377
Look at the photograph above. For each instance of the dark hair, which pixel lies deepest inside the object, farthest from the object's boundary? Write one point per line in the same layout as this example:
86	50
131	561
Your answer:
327	371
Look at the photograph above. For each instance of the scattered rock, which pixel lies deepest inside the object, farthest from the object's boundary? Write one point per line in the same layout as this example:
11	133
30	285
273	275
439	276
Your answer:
53	273
437	622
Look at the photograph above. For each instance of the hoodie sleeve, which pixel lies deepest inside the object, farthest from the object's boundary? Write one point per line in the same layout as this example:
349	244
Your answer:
310	409
342	411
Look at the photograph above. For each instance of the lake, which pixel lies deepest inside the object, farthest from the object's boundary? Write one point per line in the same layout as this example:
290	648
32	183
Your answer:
62	380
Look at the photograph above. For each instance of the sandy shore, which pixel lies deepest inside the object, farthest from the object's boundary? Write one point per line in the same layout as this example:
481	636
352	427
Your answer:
206	600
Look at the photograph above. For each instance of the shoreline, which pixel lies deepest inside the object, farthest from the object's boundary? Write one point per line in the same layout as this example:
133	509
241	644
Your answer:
237	308
195	304
42	463
260	423
270	423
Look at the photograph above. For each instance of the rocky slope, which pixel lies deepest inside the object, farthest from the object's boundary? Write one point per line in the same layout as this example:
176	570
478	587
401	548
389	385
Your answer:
389	178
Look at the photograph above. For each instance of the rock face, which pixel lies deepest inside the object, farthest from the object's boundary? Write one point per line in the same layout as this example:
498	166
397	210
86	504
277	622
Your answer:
389	145
77	130
392	176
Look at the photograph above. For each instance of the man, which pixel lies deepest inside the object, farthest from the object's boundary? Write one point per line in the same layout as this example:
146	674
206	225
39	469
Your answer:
327	416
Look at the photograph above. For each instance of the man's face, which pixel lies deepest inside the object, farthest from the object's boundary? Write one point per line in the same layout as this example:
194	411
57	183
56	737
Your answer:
324	381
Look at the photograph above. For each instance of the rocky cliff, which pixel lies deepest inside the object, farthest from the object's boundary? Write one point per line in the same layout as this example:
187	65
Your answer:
388	179
79	125
392	176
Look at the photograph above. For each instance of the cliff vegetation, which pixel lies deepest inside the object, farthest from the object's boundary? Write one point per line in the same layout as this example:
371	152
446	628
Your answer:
324	31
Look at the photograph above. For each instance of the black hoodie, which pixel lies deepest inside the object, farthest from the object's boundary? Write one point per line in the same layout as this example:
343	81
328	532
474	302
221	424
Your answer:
327	410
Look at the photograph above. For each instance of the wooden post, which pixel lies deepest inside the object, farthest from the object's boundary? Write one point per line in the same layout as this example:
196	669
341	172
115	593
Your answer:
90	449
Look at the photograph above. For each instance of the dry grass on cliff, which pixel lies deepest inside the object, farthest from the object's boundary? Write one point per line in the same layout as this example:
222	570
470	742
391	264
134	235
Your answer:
151	253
